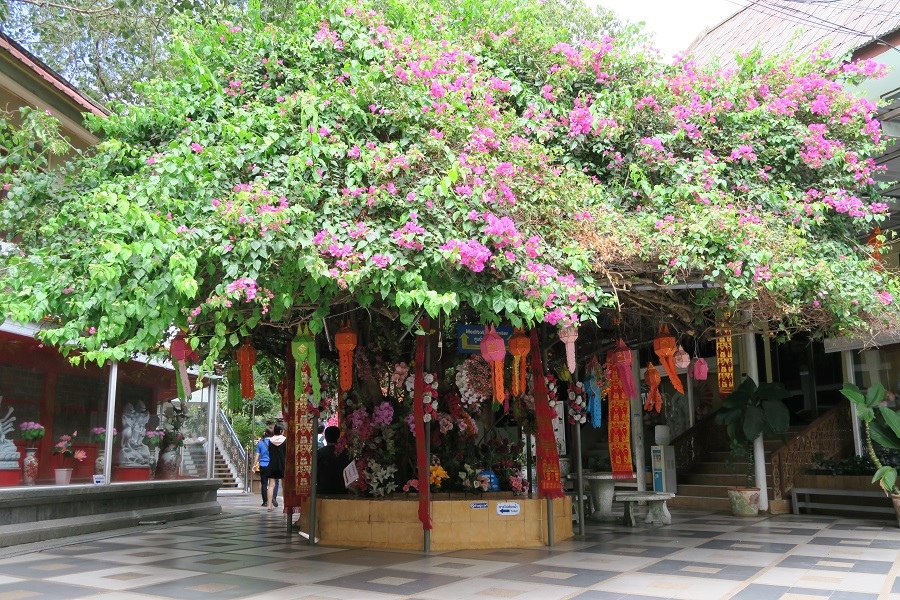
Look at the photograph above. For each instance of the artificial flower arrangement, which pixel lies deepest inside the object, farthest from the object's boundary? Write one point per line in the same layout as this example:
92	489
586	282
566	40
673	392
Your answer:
31	431
437	476
577	403
98	434
474	479
518	483
153	438
63	450
380	478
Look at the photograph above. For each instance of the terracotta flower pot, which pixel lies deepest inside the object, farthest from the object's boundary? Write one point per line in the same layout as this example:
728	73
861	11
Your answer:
744	501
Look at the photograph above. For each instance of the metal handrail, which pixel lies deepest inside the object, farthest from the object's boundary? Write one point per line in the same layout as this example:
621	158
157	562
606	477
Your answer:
232	451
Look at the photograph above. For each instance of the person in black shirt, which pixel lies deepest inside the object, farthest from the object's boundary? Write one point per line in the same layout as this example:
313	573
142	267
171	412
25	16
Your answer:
330	465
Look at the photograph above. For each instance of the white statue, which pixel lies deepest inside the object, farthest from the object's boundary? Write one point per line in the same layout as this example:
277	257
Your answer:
9	456
134	452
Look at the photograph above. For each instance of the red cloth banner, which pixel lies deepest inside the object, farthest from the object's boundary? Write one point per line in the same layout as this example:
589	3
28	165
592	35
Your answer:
304	437
724	360
547	459
422	463
619	425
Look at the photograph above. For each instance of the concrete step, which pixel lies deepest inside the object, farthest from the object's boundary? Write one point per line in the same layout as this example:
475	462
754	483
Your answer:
713	479
681	501
702	491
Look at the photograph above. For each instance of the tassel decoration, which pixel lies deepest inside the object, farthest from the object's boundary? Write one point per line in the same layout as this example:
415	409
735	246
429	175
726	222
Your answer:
622	358
519	347
246	357
493	350
654	398
568	337
345	340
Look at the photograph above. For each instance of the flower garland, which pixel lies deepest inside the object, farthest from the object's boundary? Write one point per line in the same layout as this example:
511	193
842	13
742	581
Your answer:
552	386
473	378
429	395
577	404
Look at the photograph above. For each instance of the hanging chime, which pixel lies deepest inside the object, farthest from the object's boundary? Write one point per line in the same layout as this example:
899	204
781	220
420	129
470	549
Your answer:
345	340
664	347
494	351
654	398
519	347
568	336
246	357
622	357
180	351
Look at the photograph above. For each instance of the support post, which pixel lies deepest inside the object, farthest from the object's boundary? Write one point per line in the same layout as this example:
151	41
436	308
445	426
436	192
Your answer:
850	377
637	425
550	530
110	421
751	369
252	448
580	477
313	476
426	542
212	406
529	464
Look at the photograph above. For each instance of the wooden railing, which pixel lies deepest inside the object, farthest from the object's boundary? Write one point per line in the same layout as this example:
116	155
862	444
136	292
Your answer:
831	435
698	441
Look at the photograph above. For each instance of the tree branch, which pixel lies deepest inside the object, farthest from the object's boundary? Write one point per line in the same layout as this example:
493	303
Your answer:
75	9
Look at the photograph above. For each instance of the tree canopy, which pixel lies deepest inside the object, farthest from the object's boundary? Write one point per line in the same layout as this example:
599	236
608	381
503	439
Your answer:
418	155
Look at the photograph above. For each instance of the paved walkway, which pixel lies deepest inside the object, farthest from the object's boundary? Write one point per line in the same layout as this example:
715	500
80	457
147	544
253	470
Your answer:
245	554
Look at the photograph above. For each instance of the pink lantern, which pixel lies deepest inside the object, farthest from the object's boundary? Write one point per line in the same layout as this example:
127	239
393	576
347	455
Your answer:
622	356
701	369
568	337
682	358
493	350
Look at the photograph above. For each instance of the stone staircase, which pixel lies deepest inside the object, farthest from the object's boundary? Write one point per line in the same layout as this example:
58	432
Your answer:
193	464
222	471
706	484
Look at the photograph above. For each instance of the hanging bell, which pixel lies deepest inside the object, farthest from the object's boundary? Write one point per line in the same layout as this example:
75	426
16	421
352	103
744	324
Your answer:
345	340
568	336
519	347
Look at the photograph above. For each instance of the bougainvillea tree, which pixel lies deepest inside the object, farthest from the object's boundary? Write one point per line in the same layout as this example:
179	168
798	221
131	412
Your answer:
425	155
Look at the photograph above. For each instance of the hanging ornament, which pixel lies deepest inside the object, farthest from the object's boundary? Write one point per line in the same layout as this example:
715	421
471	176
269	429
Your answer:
874	242
568	337
664	347
592	389
622	357
654	398
306	368
345	340
233	376
682	359
180	351
494	351
724	358
519	347
701	369
246	357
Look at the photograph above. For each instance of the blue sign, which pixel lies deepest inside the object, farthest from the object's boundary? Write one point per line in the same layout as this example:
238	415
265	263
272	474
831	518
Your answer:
469	337
479	505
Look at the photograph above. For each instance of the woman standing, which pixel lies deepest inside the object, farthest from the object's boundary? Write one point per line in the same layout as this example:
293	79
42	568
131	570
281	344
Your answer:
277	459
261	459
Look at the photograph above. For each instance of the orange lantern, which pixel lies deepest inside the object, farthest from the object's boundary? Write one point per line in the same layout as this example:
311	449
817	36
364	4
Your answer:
345	340
246	357
664	347
874	241
493	350
654	398
519	347
568	337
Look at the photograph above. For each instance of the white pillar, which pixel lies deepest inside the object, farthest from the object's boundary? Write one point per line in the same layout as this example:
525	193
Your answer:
751	369
850	377
110	420
637	425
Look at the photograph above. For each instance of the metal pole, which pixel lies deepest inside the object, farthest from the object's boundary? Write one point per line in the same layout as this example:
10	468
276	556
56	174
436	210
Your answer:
427	368
637	425
529	464
313	475
212	405
550	533
252	447
580	475
110	421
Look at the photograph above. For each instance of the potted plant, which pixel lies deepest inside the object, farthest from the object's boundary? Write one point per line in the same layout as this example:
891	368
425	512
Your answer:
886	434
750	411
64	453
32	433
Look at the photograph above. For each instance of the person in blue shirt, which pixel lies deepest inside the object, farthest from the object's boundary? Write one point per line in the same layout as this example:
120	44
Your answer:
261	464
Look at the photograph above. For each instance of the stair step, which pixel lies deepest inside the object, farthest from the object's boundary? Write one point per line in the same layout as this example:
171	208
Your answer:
713	479
681	501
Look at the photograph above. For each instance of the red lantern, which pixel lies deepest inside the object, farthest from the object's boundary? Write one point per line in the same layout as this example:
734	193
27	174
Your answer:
654	398
622	357
519	347
493	350
345	340
664	347
246	357
568	337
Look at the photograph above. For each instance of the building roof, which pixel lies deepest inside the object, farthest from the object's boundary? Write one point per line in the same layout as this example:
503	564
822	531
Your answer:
845	24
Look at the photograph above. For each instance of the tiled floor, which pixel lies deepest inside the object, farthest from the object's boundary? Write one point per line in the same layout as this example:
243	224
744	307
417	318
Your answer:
247	554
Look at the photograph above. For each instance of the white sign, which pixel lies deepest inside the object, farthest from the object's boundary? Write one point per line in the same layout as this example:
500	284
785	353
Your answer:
479	505
99	479
507	508
350	474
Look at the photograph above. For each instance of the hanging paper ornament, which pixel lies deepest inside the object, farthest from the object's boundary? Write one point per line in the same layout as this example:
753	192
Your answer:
494	351
724	359
306	369
345	340
701	369
246	357
682	359
622	357
519	347
568	337
592	389
180	351
874	242
654	398
664	347
233	376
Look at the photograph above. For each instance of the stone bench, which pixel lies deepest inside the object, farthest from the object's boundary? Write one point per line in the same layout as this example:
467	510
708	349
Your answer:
657	511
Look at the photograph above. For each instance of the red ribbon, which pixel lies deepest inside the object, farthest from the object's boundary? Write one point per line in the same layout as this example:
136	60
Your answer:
547	459
419	413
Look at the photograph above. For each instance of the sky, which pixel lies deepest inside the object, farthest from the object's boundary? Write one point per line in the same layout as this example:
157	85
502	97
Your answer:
675	23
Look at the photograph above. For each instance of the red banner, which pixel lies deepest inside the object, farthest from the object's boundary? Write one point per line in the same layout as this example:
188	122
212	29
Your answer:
724	360
422	462
547	459
619	425
304	437
288	409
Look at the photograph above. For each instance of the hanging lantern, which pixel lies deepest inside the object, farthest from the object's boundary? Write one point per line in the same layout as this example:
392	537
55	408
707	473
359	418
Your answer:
682	358
306	366
233	375
568	337
654	398
664	347
345	340
519	347
622	357
179	351
701	369
874	242
494	351
246	357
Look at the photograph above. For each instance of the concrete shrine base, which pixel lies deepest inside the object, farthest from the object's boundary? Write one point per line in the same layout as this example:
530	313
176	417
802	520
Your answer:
39	513
470	521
